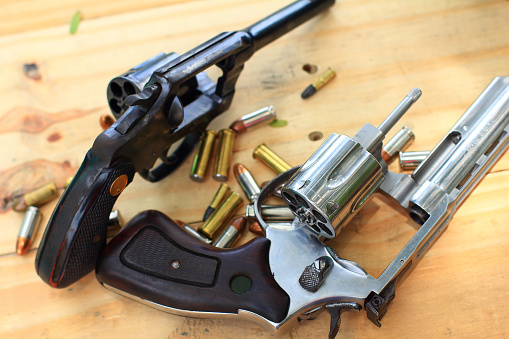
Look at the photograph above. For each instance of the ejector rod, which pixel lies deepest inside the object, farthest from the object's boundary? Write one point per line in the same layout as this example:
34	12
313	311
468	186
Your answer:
400	110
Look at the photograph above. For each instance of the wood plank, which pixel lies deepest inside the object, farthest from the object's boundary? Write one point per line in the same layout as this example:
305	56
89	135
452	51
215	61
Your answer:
380	50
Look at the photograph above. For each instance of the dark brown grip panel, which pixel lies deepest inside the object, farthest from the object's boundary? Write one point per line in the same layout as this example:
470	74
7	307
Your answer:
76	232
154	259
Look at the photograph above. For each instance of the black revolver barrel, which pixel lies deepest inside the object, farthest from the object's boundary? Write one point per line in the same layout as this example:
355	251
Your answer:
281	22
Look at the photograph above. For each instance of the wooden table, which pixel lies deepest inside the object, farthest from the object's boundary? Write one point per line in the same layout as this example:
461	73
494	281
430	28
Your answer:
380	49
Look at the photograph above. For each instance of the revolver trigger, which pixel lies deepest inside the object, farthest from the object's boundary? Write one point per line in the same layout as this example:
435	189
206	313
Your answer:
335	311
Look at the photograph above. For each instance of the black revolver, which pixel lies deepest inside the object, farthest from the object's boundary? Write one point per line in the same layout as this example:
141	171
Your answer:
178	102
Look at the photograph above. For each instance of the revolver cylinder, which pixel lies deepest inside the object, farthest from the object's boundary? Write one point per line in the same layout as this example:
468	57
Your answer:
335	182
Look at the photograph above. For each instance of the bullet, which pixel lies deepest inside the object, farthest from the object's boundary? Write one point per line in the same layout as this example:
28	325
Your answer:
319	83
271	213
224	154
202	156
115	223
246	181
271	159
260	117
223	191
193	232
397	144
218	219
36	198
28	229
106	121
254	227
411	160
231	234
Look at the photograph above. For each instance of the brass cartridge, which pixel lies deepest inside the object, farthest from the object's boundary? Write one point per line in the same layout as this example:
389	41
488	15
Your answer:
224	154
202	156
37	198
220	217
223	191
271	159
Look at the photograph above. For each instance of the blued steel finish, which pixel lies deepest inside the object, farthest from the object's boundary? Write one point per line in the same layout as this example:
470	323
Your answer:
178	102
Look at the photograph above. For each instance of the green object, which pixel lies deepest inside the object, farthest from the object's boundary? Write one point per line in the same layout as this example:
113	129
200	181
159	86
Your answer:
75	21
240	284
278	123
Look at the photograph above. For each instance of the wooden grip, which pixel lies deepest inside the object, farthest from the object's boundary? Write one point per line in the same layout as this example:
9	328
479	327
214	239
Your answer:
154	259
76	232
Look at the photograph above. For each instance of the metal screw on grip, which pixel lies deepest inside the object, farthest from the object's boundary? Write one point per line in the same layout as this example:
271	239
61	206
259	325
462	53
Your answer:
118	185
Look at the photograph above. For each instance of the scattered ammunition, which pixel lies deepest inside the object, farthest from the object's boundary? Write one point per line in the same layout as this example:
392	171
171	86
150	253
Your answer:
220	216
271	213
106	121
193	232
36	198
231	234
220	195
262	116
224	154
410	160
319	83
271	159
246	181
68	182
115	223
28	229
202	156
397	144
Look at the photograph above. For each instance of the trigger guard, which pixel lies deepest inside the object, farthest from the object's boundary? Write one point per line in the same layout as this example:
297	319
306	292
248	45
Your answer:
174	160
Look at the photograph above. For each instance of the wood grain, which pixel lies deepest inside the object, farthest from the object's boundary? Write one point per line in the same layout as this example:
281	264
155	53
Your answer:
380	50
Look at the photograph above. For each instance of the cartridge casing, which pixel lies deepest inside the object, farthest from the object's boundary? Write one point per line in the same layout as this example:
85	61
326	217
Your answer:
223	191
28	229
231	234
220	216
271	159
246	181
411	160
37	198
202	156
271	213
260	117
224	154
397	144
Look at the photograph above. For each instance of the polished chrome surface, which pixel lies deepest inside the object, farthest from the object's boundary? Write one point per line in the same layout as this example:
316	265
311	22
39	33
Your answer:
271	213
258	117
399	142
411	160
30	223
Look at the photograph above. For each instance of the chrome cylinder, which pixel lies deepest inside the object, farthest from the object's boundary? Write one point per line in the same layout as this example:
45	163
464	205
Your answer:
332	185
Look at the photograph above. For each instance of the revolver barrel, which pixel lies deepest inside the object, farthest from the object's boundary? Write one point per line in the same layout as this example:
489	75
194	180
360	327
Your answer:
277	24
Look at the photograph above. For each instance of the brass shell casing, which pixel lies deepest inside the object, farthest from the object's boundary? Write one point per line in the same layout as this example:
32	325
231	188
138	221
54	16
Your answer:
222	192
271	159
324	78
202	156
37	197
221	215
224	154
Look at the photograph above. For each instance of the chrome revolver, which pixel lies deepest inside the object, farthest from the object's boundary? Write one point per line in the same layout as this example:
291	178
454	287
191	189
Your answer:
155	262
